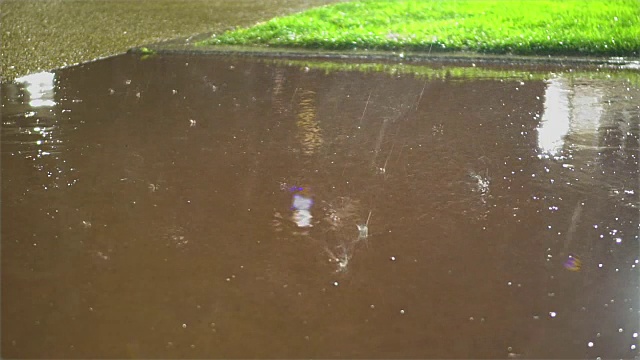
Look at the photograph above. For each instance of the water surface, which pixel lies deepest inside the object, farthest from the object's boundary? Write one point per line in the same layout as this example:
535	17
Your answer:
216	207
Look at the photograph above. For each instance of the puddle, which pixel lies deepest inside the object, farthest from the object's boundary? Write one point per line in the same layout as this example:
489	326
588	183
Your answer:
220	207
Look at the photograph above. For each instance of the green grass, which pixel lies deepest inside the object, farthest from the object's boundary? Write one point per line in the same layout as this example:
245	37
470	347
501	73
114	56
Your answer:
524	27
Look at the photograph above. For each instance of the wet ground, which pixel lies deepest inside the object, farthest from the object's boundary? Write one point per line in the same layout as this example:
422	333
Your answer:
47	34
218	207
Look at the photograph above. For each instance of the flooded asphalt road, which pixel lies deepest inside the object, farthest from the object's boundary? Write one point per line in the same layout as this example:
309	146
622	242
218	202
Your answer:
212	207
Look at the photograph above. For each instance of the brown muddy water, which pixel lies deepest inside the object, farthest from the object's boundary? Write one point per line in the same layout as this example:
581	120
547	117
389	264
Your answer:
215	207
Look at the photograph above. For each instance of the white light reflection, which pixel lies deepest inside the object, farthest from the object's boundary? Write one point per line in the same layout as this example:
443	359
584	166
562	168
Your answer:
301	210
40	88
569	110
554	125
586	115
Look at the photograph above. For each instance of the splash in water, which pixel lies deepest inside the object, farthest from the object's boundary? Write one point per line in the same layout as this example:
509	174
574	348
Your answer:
482	184
341	239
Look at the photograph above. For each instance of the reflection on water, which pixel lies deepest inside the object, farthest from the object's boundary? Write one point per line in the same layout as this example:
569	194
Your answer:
32	130
556	119
310	133
39	88
217	207
301	209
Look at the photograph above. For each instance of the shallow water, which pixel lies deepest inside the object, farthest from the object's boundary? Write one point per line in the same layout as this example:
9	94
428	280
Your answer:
222	207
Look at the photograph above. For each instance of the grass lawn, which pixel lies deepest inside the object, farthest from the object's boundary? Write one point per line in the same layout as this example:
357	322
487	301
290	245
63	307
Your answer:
525	27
